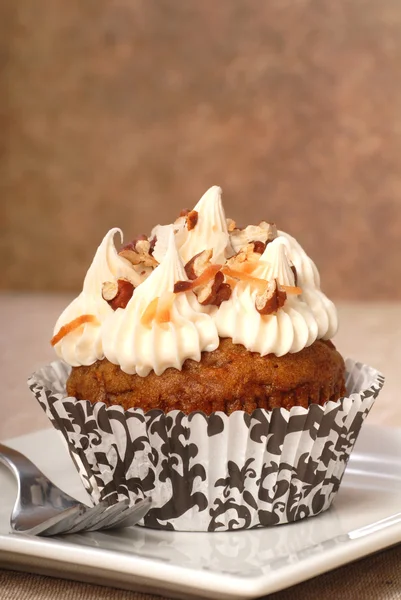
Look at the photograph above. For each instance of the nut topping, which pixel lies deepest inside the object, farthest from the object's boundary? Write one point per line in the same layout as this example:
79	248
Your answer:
271	300
139	252
152	244
192	219
198	263
109	290
117	293
293	269
245	260
214	292
259	247
208	274
264	232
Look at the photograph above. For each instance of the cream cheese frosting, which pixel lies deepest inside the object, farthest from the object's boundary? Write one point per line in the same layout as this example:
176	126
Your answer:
140	347
292	328
159	329
84	345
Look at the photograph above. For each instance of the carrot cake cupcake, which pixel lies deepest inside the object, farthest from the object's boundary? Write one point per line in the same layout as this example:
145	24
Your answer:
197	366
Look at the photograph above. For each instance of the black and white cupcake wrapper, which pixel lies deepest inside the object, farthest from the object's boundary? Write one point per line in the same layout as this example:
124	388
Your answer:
217	472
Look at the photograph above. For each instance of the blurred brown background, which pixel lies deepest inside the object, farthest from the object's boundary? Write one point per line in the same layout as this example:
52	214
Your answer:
121	112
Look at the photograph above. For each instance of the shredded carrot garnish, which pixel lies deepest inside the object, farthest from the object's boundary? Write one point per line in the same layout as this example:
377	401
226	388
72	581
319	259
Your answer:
66	329
150	312
291	289
163	313
259	283
247	266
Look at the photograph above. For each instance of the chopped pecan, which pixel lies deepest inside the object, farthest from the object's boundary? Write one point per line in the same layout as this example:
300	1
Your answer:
207	275
192	219
182	286
245	260
138	252
74	324
214	292
293	269
264	232
152	244
259	247
271	299
131	245
117	293
223	293
198	263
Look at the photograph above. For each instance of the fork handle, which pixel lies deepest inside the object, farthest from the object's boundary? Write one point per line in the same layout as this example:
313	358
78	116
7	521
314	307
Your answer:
18	463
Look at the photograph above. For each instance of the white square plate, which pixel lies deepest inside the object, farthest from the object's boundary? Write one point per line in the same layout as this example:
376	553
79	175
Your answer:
365	518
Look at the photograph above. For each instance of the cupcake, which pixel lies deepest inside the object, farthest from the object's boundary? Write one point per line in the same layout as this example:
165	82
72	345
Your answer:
197	367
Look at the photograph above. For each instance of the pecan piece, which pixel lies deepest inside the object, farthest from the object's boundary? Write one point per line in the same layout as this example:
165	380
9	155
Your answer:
117	293
271	300
214	292
259	247
131	245
207	275
198	263
139	252
293	269
152	244
192	219
246	259
264	232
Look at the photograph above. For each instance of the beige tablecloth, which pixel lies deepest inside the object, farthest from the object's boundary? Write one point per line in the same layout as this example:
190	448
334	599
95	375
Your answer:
370	332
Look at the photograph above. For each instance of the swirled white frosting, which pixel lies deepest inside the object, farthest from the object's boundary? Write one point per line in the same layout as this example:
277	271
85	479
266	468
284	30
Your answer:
139	348
292	328
83	346
322	308
210	232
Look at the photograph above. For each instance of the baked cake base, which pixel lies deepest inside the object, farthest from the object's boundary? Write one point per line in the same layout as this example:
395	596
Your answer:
229	378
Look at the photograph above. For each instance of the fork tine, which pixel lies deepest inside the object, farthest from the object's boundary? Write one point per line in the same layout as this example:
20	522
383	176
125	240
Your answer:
86	519
131	515
109	515
46	527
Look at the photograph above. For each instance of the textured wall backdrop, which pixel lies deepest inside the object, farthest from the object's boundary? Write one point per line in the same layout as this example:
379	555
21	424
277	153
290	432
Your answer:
120	112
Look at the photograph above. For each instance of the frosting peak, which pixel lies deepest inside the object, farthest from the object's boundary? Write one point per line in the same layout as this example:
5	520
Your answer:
274	263
210	232
83	346
163	278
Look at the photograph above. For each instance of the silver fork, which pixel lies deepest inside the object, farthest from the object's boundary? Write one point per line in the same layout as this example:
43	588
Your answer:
41	508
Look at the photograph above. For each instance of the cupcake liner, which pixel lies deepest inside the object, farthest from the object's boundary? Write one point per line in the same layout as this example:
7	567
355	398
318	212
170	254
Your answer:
217	472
